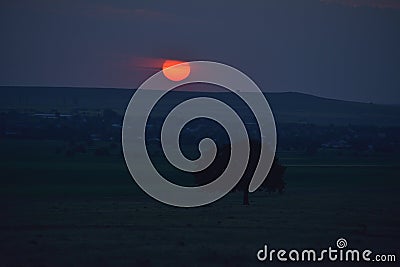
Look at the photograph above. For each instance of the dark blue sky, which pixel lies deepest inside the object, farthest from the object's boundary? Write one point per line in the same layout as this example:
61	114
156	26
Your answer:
345	49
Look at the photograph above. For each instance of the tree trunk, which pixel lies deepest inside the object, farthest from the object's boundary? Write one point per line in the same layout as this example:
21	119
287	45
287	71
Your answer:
246	197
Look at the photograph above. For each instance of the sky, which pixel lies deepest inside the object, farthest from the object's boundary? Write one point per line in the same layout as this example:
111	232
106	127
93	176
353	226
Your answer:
343	49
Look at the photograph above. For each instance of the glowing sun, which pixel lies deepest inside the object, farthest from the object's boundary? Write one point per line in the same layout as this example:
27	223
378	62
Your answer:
176	73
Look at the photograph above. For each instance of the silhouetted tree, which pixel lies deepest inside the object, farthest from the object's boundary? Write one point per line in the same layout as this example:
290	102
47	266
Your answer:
274	181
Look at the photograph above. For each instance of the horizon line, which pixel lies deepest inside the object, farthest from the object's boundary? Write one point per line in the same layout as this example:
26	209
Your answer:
204	91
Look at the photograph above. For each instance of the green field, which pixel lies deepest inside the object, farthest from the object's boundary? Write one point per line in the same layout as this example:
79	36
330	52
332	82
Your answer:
86	210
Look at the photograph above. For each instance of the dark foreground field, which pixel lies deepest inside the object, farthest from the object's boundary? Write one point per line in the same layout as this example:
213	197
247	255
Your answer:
87	211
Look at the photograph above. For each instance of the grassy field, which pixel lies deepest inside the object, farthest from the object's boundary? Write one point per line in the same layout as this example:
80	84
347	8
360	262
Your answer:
87	211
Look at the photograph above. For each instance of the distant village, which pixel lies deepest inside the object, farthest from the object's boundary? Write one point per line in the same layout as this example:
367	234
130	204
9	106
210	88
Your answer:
81	130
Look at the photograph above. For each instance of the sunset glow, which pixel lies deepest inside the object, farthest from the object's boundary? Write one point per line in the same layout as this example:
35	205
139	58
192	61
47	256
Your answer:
176	73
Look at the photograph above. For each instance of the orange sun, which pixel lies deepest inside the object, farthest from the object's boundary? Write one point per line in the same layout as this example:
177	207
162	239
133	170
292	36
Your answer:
176	73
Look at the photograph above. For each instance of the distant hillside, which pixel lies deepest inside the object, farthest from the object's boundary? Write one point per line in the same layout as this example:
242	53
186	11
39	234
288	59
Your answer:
298	107
287	107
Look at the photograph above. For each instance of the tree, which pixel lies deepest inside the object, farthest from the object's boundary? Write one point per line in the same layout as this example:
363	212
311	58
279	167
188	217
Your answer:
274	181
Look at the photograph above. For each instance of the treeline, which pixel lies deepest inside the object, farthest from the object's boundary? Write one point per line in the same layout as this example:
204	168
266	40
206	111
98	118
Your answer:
106	125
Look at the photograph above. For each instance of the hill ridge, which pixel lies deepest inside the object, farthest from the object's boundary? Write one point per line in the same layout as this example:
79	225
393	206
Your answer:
288	107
